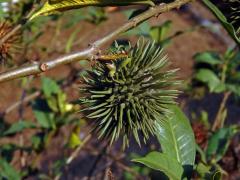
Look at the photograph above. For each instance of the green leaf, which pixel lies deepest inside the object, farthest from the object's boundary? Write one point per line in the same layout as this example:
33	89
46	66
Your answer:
142	30
211	79
37	141
159	33
45	119
54	6
19	126
219	142
49	87
210	58
201	153
176	137
162	162
207	172
74	140
96	15
203	170
43	114
227	25
7	171
71	40
56	98
235	88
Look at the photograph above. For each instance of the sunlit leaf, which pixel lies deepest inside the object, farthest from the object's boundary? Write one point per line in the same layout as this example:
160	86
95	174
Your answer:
162	162
211	79
176	137
74	140
52	6
49	87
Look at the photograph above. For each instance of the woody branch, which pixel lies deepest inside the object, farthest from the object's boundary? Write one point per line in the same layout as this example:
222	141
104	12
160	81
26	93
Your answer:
90	52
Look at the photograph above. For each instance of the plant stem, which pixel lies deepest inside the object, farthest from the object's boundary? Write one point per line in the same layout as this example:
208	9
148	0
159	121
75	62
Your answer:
90	52
75	153
219	120
19	103
97	160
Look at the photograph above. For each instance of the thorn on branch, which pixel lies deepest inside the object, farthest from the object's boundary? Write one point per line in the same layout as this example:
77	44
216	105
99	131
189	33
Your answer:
157	15
179	4
135	23
43	67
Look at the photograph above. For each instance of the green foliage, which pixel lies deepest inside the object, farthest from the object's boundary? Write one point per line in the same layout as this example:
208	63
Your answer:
210	58
96	15
51	7
206	172
74	140
227	23
7	171
141	170
218	73
162	162
160	33
211	79
129	100
178	147
122	97
176	137
219	142
44	117
56	98
142	29
19	126
53	110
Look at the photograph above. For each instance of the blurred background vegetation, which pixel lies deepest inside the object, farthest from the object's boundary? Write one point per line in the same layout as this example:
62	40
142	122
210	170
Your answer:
42	133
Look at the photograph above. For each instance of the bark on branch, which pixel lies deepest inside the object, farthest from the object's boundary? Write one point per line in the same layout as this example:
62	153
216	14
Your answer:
90	52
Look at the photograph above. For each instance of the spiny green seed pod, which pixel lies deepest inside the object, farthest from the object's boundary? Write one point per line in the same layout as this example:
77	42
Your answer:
12	45
132	98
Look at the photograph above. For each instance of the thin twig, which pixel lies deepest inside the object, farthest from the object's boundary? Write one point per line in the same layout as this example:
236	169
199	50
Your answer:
219	121
97	160
21	138
128	169
75	153
67	82
24	101
90	52
116	159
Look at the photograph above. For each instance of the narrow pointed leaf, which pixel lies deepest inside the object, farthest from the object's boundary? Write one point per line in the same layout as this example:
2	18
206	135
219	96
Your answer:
55	6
